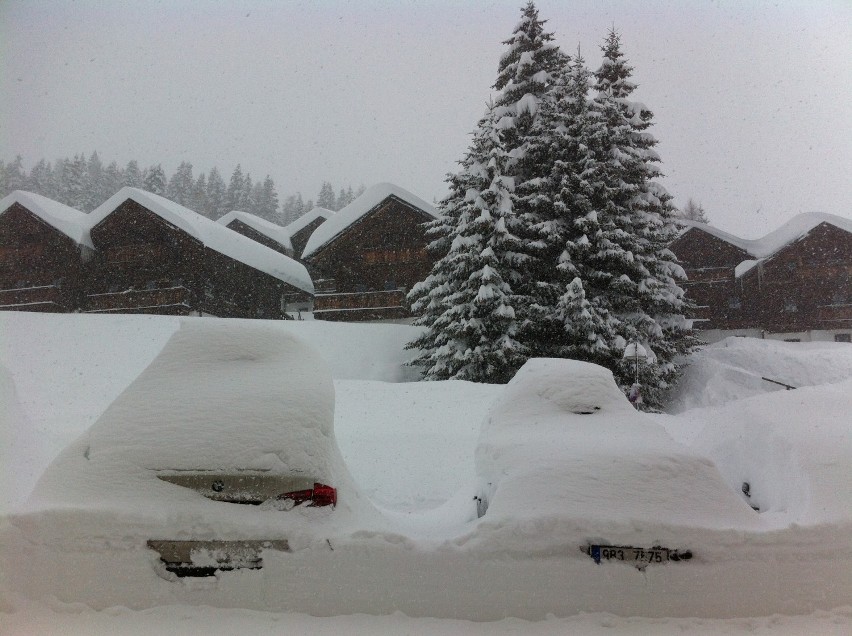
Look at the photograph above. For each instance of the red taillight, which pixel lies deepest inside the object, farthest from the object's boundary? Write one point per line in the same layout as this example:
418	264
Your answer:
320	495
324	495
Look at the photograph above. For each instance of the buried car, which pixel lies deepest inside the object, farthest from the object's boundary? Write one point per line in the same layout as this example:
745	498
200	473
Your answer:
222	449
564	449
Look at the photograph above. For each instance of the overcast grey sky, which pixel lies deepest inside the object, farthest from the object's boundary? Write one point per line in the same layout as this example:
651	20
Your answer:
751	99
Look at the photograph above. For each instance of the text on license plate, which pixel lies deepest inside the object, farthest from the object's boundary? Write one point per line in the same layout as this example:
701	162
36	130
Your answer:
629	554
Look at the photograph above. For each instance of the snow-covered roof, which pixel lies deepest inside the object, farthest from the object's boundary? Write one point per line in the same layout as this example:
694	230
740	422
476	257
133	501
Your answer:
68	220
306	219
795	229
213	235
792	230
276	232
356	210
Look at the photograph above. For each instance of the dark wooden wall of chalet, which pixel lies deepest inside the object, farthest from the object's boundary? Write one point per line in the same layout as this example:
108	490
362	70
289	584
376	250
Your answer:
709	263
300	238
235	290
136	249
384	250
806	285
696	249
33	254
246	230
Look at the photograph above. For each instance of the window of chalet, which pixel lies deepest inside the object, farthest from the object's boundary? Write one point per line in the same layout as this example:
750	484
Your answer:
390	285
735	302
790	305
360	288
843	337
839	297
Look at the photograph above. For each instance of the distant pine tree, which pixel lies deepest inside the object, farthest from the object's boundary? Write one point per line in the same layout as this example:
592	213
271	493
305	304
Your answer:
133	175
41	180
234	197
216	195
326	197
181	185
200	203
113	180
154	180
14	177
694	211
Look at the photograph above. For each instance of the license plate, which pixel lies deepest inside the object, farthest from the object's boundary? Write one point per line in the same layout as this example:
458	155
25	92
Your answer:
634	555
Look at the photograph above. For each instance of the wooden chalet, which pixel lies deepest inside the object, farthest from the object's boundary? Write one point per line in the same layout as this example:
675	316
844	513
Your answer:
369	254
43	245
301	229
155	256
273	236
794	284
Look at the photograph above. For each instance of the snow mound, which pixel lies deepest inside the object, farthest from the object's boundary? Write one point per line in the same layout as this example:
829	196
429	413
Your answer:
792	448
563	446
220	396
734	368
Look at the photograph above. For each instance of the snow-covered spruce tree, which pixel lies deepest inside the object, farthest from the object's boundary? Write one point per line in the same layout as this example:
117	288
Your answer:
576	327
467	302
631	275
528	72
479	293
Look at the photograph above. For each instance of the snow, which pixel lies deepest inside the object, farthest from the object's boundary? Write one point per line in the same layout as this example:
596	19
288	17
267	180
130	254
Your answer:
213	235
273	231
359	208
561	456
71	222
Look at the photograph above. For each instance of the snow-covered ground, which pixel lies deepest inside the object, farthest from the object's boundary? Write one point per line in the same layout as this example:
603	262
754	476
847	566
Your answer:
559	460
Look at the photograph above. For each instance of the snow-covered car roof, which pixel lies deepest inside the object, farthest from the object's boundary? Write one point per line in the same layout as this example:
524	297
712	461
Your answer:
70	221
353	212
213	235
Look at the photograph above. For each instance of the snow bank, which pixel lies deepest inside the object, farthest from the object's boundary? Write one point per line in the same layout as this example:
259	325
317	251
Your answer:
734	368
564	458
793	448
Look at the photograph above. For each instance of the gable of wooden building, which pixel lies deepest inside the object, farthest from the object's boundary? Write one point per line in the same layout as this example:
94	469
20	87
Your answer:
369	254
43	244
260	230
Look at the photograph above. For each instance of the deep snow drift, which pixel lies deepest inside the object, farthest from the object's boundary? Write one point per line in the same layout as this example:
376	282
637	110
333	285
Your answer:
562	459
